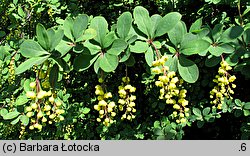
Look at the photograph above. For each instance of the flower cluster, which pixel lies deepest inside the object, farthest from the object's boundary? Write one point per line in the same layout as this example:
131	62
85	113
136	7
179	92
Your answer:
43	108
44	76
126	100
171	90
11	67
105	106
224	85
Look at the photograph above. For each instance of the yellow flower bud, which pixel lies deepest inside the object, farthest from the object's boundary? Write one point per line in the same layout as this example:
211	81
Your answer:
32	85
232	78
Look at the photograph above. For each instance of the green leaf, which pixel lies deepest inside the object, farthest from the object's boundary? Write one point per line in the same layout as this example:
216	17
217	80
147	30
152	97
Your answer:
196	26
80	24
234	58
143	20
15	2
117	47
246	35
158	131
157	124
131	39
200	124
167	23
3	52
172	62
188	70
124	24
68	26
139	47
26	85
246	112
62	63
246	11
237	113
89	34
2	34
3	111
11	115
24	119
97	64
131	61
21	100
63	47
21	12
155	22
42	36
93	48
217	31
78	48
149	56
86	110
55	38
212	61
101	26
177	33
109	39
29	63
30	48
53	75
206	111
197	112
237	102
108	62
220	49
125	56
194	46
84	61
16	120
247	105
231	34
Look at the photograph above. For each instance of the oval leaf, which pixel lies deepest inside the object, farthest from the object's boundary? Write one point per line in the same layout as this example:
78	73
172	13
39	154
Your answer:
11	115
53	76
80	24
84	61
143	20
167	23
25	120
149	56
177	33
42	36
124	24
117	47
29	63
108	62
68	26
188	70
194	46
100	25
139	47
21	100
231	34
31	48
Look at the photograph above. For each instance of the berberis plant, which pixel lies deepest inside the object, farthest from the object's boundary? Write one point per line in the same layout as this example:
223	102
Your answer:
133	76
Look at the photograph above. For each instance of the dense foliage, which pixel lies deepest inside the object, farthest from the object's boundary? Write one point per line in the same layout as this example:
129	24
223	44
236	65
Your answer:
124	69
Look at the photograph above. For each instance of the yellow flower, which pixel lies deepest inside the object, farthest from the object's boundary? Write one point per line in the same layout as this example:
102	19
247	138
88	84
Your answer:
156	70
108	95
126	79
102	103
232	78
155	63
132	89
